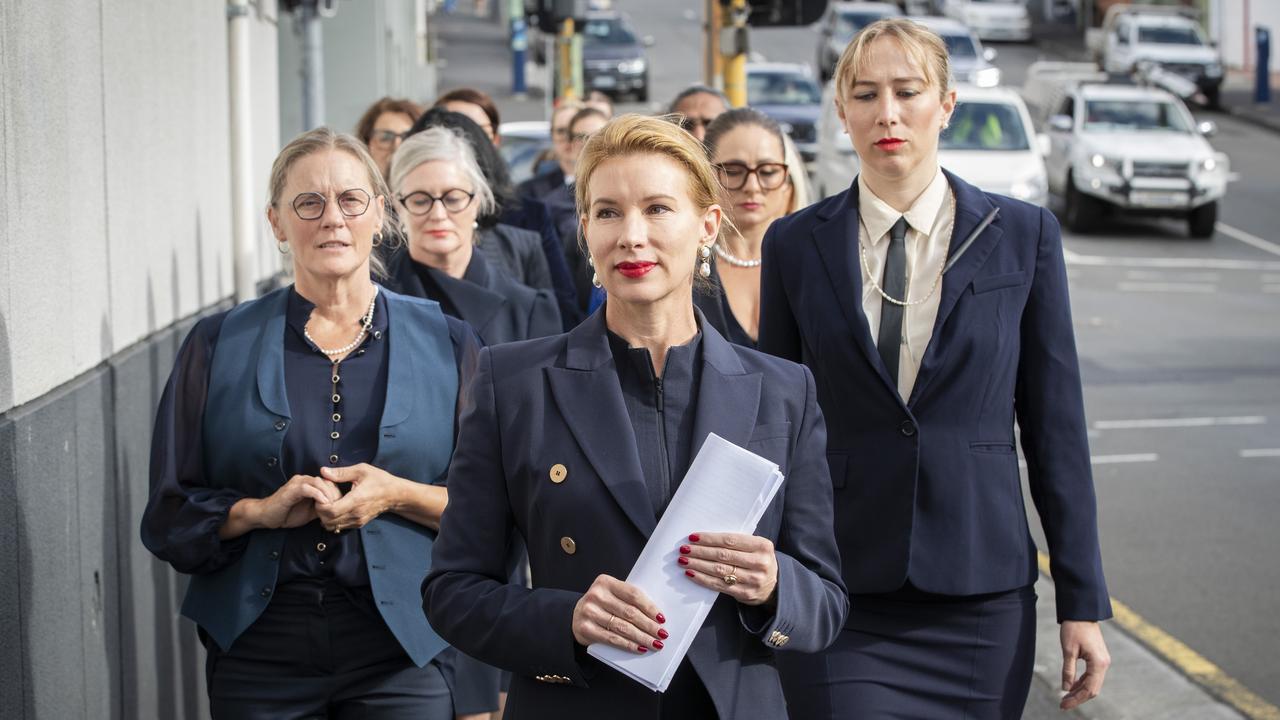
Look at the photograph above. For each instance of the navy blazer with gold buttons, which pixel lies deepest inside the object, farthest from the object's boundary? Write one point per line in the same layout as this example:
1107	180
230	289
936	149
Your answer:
546	450
927	489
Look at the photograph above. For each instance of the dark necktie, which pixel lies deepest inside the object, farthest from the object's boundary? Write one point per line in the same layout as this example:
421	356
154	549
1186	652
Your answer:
889	340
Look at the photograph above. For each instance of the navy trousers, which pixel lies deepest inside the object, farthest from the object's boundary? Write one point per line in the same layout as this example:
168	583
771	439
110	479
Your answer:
910	655
317	653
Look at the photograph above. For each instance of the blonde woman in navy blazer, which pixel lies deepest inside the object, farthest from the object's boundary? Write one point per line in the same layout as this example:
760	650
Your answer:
921	409
577	442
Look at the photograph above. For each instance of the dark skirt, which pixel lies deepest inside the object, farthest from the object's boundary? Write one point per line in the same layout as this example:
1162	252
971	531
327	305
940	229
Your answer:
913	655
317	651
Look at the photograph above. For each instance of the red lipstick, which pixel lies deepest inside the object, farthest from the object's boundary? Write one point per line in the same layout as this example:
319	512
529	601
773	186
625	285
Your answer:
634	269
890	143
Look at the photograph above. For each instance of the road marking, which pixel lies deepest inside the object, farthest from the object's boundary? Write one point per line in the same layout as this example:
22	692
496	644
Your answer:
1075	258
1187	661
1116	459
1260	453
1168	287
1157	275
1249	239
1148	423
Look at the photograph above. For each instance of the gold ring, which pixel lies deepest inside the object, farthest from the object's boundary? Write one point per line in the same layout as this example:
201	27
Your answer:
337	530
609	626
730	579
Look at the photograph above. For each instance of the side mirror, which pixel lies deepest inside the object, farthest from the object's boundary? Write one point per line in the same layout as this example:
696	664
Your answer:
647	41
1208	128
1043	144
989	54
1060	123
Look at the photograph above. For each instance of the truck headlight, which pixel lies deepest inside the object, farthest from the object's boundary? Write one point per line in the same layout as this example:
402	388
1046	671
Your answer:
1102	165
1033	188
987	77
1208	164
632	67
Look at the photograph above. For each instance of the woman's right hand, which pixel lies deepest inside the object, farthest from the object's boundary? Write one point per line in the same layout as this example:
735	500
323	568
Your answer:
618	614
294	503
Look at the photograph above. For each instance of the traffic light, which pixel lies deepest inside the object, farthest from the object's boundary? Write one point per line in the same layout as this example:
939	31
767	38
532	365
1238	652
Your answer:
775	13
547	15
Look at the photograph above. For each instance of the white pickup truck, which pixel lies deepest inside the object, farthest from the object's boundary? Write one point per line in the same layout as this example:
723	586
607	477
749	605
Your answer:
1164	38
1132	150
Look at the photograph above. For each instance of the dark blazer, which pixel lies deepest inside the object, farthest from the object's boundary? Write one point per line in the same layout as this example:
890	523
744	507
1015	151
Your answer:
928	489
541	185
533	214
518	252
557	402
499	308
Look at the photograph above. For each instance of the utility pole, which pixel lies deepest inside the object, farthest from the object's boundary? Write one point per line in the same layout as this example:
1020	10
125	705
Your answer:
712	67
312	64
734	47
570	60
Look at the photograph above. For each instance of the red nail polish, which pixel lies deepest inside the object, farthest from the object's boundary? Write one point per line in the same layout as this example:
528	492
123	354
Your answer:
685	549
682	560
693	537
661	618
689	573
657	644
663	634
642	648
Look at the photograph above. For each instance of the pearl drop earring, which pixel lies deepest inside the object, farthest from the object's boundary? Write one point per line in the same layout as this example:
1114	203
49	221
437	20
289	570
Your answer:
704	269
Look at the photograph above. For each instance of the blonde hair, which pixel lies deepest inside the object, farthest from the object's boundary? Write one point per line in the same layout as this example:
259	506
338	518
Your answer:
323	139
801	191
920	43
633	134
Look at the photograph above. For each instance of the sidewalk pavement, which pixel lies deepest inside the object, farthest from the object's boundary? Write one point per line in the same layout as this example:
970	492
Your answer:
1237	100
475	53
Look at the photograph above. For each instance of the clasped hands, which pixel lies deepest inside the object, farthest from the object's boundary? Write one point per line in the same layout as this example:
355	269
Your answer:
617	613
306	497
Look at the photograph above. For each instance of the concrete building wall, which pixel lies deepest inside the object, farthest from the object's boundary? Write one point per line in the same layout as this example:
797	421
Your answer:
1232	24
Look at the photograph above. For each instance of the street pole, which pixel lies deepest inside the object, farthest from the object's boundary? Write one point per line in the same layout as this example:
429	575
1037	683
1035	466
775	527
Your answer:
519	45
711	46
312	65
733	43
244	245
567	89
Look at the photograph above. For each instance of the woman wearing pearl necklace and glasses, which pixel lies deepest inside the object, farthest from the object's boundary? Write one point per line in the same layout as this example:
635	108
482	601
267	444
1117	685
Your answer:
749	153
297	463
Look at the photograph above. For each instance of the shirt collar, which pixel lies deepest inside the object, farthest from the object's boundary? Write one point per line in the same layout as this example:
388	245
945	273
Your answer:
298	312
879	217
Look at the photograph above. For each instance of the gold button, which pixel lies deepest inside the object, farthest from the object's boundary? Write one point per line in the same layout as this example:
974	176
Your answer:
321	547
568	545
558	473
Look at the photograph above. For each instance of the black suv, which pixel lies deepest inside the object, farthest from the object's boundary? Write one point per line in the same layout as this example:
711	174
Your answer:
613	58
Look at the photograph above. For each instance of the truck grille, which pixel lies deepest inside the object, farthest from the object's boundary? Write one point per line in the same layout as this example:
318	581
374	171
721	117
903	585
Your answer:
1191	71
1159	169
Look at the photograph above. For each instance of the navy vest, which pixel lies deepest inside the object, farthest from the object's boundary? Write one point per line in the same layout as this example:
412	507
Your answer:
245	418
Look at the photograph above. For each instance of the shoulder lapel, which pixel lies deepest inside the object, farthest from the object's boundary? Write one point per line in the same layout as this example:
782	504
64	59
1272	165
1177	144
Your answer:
972	206
728	397
271	387
401	366
837	241
587	392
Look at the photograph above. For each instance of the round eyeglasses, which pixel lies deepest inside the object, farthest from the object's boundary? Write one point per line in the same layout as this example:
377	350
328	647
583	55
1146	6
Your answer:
420	203
311	205
734	176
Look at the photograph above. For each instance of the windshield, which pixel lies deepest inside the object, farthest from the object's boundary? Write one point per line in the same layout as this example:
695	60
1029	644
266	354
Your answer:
848	23
607	32
960	46
778	88
1169	35
1133	115
985	126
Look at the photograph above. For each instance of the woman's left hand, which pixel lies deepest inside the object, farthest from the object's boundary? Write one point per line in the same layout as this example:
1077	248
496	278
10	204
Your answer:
741	566
373	492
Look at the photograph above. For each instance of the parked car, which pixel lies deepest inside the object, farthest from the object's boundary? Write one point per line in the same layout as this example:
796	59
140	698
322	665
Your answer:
522	143
787	93
839	24
1167	37
992	19
990	143
970	61
613	57
1133	150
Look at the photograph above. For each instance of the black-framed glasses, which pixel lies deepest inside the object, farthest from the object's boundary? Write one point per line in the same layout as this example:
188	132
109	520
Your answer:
689	122
771	176
561	133
420	203
579	137
311	205
387	138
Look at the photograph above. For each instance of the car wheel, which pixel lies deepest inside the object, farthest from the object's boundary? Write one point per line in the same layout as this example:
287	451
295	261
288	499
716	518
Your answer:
1213	97
1081	209
642	94
1202	220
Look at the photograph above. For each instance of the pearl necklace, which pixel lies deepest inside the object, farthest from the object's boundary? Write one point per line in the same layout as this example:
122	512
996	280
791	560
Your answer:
366	323
734	259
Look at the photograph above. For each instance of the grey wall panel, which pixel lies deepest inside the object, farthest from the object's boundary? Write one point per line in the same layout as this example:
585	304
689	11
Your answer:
99	571
48	560
13	666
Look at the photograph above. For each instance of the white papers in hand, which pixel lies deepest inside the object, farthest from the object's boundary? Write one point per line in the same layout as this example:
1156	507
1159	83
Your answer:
726	489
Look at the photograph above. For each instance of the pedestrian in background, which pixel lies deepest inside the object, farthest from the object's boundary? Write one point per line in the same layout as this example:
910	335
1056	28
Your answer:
584	123
697	106
933	315
556	170
383	126
562	445
748	150
307	597
476	105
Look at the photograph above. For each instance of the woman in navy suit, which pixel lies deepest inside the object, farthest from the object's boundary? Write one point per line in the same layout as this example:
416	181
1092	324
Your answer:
577	442
932	315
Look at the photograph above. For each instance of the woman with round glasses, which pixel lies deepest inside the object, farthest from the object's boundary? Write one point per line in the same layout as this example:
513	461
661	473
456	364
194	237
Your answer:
748	151
298	460
441	191
384	126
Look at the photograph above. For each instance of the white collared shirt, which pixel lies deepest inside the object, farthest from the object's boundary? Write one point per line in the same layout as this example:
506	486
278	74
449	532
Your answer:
930	221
